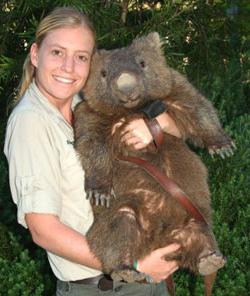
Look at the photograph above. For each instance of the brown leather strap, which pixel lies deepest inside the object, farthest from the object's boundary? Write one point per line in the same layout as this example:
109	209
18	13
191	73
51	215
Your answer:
170	285
209	282
169	185
155	130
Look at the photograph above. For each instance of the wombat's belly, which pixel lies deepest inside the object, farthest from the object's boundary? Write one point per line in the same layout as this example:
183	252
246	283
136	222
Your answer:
180	164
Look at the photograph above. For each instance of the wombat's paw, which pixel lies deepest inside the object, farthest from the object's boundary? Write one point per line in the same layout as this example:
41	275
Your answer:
211	263
100	197
223	149
128	275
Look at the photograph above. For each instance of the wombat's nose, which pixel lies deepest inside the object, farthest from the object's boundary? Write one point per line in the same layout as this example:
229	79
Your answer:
126	82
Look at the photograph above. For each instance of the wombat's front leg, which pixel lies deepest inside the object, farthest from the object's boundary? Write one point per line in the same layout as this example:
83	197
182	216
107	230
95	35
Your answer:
98	175
196	117
99	192
91	144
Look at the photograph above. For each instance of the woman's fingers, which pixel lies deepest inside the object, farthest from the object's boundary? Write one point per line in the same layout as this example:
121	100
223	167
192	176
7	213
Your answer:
168	249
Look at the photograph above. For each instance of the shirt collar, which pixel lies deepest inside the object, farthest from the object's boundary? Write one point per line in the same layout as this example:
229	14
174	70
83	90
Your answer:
38	98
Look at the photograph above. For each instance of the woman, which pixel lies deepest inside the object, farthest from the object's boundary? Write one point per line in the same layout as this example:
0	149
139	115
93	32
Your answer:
45	176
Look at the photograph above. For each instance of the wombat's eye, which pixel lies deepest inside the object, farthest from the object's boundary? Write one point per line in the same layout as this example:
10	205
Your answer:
142	64
104	73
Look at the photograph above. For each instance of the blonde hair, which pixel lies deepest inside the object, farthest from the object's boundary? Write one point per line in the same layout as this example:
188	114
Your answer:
58	18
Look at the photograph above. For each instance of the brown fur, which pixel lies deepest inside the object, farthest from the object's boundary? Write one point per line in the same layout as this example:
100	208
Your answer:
143	216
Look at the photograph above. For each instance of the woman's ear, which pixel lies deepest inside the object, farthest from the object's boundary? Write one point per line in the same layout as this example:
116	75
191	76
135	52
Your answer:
34	54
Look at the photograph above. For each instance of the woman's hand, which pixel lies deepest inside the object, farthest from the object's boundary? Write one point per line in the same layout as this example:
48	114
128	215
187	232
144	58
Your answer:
137	134
156	266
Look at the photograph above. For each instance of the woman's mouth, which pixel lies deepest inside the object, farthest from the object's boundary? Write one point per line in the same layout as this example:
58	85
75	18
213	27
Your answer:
64	79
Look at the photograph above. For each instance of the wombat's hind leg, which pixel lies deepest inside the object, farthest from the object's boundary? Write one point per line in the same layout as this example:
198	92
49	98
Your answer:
115	239
127	274
125	271
210	263
199	251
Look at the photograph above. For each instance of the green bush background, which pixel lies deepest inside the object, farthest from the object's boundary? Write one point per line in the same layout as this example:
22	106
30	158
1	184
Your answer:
206	40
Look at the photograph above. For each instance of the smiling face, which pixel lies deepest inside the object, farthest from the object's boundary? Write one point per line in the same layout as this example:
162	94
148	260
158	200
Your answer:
62	62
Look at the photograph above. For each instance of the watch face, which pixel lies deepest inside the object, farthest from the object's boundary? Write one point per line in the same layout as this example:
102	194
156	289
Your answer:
153	109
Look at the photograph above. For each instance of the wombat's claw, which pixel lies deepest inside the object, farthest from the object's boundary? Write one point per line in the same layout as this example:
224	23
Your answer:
107	198
233	145
99	198
102	199
106	201
225	151
211	263
89	195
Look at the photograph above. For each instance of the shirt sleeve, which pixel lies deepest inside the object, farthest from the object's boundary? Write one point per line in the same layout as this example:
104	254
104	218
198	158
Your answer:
33	165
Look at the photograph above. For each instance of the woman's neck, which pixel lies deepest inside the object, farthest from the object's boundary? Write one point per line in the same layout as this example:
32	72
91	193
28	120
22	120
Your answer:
67	114
66	111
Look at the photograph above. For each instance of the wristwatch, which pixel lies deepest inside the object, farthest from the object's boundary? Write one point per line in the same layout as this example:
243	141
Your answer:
151	110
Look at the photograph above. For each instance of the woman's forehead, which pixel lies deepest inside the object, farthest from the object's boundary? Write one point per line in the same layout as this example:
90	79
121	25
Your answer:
78	38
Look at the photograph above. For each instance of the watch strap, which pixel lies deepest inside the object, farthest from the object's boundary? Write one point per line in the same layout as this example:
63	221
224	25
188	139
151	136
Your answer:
156	131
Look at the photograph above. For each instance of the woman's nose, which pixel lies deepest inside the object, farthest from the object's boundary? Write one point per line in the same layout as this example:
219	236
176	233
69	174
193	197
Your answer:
68	64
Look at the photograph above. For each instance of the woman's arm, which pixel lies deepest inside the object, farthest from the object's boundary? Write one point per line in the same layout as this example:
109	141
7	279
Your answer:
49	233
168	124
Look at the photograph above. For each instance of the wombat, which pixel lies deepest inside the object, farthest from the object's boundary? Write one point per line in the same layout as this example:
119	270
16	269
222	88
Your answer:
142	216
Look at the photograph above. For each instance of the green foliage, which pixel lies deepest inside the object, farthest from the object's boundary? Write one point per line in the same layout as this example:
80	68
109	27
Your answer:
19	274
229	183
7	208
6	249
206	40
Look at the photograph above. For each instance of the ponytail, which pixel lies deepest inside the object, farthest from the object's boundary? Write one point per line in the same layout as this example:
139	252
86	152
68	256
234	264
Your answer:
27	76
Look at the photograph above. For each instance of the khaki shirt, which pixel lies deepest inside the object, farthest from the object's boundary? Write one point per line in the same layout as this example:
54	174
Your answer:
45	174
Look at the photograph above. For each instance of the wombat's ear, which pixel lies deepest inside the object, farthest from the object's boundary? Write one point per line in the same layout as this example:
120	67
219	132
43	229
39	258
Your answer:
154	39
100	53
97	56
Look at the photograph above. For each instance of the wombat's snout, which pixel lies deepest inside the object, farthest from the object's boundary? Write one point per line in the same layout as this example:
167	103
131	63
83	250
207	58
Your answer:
126	83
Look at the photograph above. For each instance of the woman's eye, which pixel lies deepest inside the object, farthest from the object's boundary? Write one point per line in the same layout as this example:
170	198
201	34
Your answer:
56	52
82	58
